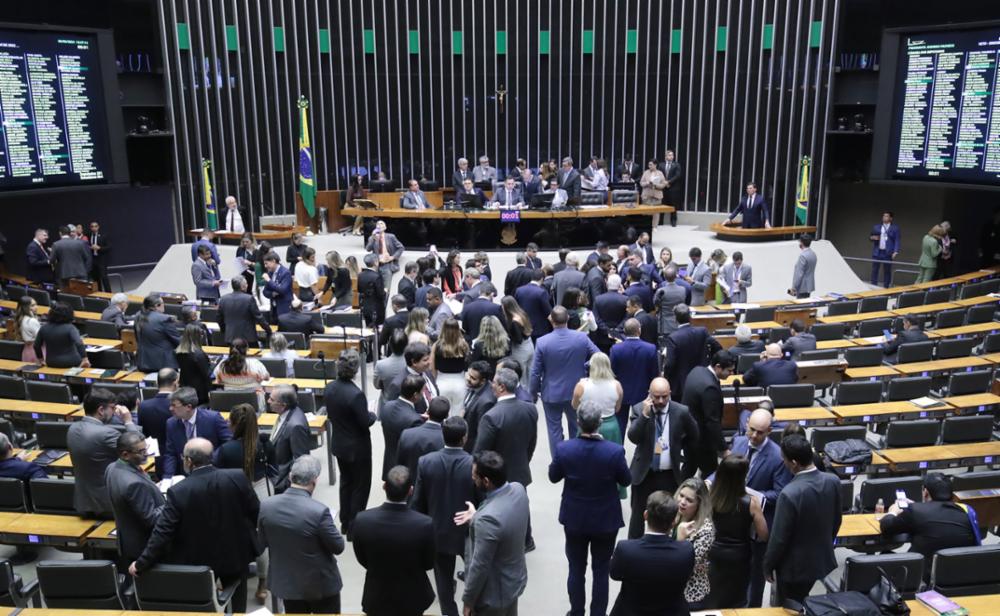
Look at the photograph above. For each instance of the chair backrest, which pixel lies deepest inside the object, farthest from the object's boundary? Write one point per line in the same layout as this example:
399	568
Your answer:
11	349
991	344
874	304
778	334
102	329
75	301
863	571
846	495
296	340
874	327
885	488
858	392
828	331
955	347
912	433
184	588
862	357
40	391
746	391
80	584
307	401
623	196
276	366
908	388
908	300
120	388
11	587
15	292
745	360
95	304
967	429
938	296
12	387
819	354
42	297
12	495
837	309
172	309
976	480
764	313
130	344
217	338
957	572
52	496
348	318
822	435
308	368
980	314
226	400
787	396
107	360
209	314
915	351
52	434
950	318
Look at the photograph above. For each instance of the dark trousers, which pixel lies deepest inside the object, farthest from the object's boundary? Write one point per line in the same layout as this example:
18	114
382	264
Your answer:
707	460
239	602
601	546
756	597
622	418
653	482
802	295
355	484
326	605
444	581
884	261
99	274
797	591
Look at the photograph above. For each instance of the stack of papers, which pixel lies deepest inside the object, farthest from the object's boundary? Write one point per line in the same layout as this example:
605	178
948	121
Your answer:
926	402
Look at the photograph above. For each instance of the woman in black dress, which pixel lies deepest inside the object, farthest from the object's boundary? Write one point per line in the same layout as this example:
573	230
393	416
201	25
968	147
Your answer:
58	343
452	274
196	371
338	278
246	255
738	519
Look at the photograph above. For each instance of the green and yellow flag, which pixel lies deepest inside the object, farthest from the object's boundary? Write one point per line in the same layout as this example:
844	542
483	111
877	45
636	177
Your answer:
211	214
307	188
802	198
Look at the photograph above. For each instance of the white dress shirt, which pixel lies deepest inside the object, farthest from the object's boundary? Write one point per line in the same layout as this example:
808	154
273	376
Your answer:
233	221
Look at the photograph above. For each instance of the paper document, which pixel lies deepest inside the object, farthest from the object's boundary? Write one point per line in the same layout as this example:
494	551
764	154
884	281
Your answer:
926	402
152	447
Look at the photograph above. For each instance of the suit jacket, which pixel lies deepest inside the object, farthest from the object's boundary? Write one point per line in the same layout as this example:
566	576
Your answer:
481	173
767	473
569	277
157	339
535	301
804	276
666	297
441	314
534	263
495	570
772	372
136	502
595	283
210	519
931	526
414	200
416	442
39	265
500	197
371	297
408	289
571	182
635	364
443	485
302	538
798	343
392	245
396	415
420	296
291	442
113	314
476	406
750	347
16	468
71	258
299	322
906	336
643	292
650	328
647	252
653	570
737	294
687	347
684	438
892	241
475	311
515	279
702	276
92	447
153	416
238	316
211	247
609	309
806	521
592	469
558	364
510	428
459	178
703	397
392	392
279	290
386	371
350	420
208	424
631	168
204	276
755	210
673	174
398	320
396	547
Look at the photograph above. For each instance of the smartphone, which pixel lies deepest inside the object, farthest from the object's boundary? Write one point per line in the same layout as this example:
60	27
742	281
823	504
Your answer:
888	334
901	500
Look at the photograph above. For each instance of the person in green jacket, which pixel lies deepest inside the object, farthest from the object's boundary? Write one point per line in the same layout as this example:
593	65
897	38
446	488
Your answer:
930	249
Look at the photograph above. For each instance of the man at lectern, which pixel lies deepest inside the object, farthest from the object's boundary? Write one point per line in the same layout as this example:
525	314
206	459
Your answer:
754	208
508	196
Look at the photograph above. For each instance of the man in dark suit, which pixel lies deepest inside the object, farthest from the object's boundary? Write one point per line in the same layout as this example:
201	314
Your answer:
610	306
277	286
417	356
417	441
568	278
469	195
934	524
206	277
398	415
569	180
590	511
350	437
533	260
663	432
70	257
209	519
444	485
636	287
400	317
643	245
745	342
431	279
595	281
755	210
912	332
630	168
653	569
534	299
885	248
290	438
155	412
371	292
518	276
299	322
674	175
703	397
100	246
508	196
407	285
478	309
239	315
135	500
806	520
635	365
687	347
647	322
157	336
800	340
207	235
463	173
303	541
479	399
38	258
773	369
190	422
395	545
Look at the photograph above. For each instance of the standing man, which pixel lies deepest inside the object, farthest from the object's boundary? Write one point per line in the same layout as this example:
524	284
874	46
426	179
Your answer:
496	572
755	210
290	438
277	286
100	245
387	248
687	347
417	441
407	285
71	258
463	173
804	277
479	399
303	542
135	500
885	248
596	279
207	235
234	222
395	545
190	422
674	175
558	365
703	397
700	277
439	312
628	168
569	181
206	277
590	511
647	322
669	296
517	277
38	258
534	299
371	292
635	365
239	315
664	434
533	261
478	309
569	277
646	247
806	521
418	363
398	415
209	519
736	278
483	172
154	413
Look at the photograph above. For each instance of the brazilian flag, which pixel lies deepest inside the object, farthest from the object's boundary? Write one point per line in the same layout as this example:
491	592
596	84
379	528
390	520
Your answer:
802	197
307	187
211	214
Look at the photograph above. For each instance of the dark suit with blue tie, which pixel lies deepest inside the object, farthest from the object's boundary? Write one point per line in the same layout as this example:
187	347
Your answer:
279	290
755	211
208	425
883	257
475	311
39	266
535	301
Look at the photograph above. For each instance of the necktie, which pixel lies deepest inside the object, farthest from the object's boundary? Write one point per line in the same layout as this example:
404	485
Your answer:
468	398
750	455
277	427
93	240
231	220
383	249
189	430
507	192
428	394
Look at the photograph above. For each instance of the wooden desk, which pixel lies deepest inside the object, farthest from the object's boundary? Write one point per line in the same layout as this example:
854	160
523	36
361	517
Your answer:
979	300
857	317
964	330
977	403
138	299
859	525
731	410
762	325
103	342
39	528
805	416
714	321
870	373
891	291
924	309
877	412
78	315
843	343
31	409
314	384
102	537
941	365
739	234
64	465
821	372
941	456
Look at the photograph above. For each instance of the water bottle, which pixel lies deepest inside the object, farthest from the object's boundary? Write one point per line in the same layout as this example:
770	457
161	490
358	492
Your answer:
879	506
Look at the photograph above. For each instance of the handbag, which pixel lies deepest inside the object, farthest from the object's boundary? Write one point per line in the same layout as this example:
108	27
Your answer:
887	597
850	603
849	451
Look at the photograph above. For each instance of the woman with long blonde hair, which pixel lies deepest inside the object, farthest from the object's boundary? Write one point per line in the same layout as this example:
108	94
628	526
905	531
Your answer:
602	388
449	359
694	524
416	326
493	343
26	326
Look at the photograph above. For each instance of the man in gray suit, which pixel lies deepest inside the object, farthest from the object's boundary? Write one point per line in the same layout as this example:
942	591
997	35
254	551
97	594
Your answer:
414	198
71	257
737	277
205	276
303	540
800	340
423	439
239	314
699	277
388	249
569	277
804	277
398	415
93	445
495	570
135	500
570	180
508	196
806	521
290	438
668	296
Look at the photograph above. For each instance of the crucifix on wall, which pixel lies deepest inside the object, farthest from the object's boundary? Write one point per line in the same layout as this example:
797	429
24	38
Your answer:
501	95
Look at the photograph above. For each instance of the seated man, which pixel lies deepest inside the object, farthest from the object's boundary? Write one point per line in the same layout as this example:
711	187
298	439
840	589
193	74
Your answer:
14	467
912	332
800	341
772	369
745	343
470	196
560	198
508	196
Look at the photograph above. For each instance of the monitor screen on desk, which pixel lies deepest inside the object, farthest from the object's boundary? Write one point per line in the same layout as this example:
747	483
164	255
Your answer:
383	186
541	200
472	201
484	185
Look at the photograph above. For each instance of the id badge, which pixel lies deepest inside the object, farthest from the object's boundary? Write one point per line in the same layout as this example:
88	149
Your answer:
658	448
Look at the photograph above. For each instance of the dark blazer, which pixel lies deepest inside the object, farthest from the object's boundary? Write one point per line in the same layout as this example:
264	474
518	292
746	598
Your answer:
772	372
806	521
210	519
443	485
647	252
392	391
632	168
534	300
408	289
534	263
635	364
395	415
371	296
515	279
136	502
299	322
643	292
642	431
674	174
279	290
475	311
238	317
570	182
906	336
751	347
653	570
416	442
892	240
703	397
208	424
72	258
609	309
798	343
510	428
932	526
457	179
16	468
687	347
64	348
203	242
396	547
755	212
593	469
475	407
196	371
114	314
204	276
157	338
767	473
153	415
595	283
39	266
350	420
397	321
650	327
292	442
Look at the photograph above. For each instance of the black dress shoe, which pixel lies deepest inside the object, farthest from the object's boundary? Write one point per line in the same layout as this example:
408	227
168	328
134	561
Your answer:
529	546
461	575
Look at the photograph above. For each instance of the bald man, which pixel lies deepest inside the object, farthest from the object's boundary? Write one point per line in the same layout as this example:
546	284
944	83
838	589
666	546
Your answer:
772	369
663	431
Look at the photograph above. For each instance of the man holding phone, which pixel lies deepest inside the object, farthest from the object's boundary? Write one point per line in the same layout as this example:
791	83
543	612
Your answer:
912	332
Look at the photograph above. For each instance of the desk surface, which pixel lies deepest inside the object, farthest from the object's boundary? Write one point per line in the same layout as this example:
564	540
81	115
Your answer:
859	525
584	212
941	364
857	317
869	372
925	308
853	411
910	455
47	525
30	407
807	414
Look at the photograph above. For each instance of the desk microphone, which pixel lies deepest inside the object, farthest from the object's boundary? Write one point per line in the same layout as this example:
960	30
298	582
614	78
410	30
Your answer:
322	363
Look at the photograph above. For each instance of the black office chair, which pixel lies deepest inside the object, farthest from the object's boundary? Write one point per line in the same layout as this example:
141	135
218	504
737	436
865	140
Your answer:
990	286
107	360
75	301
296	340
938	296
967	429
873	304
13	496
822	435
11	349
874	327
955	347
276	366
42	297
119	388
209	314
226	400
80	584
14	293
975	480
846	495
41	391
862	572
961	383
858	392
980	314
52	496
307	401
755	315
914	352
828	331
837	309
746	391
307	368
173	310
347	318
102	329
13	591
790	396
991	343
908	388
217	338
911	299
52	434
181	588
864	357
778	334
885	488
819	354
745	361
958	572
910	433
950	318
95	304
12	387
